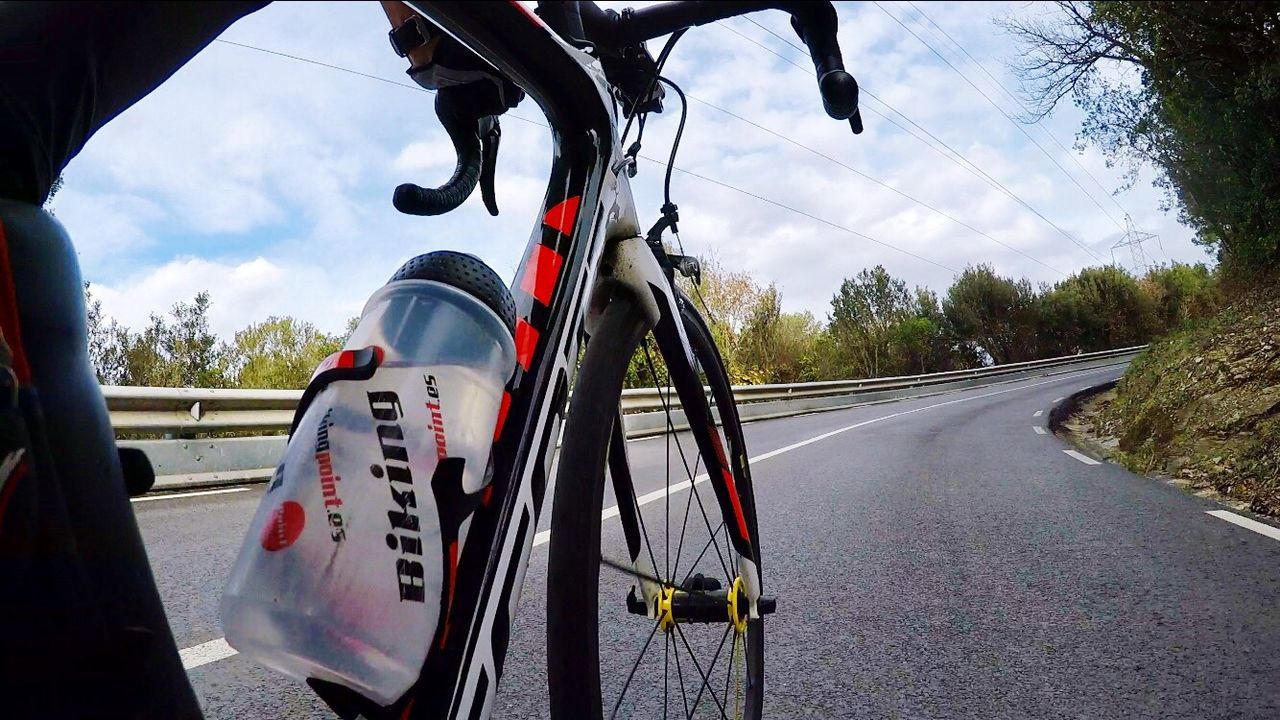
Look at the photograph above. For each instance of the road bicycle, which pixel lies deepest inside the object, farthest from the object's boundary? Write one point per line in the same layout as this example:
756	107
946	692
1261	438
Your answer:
692	582
658	613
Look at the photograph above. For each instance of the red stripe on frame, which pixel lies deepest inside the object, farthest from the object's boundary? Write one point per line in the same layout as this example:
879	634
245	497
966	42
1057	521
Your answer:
562	216
727	475
541	270
529	15
737	504
526	342
10	327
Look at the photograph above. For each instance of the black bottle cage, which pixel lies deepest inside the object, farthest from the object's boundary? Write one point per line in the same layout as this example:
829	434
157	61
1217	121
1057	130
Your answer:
347	365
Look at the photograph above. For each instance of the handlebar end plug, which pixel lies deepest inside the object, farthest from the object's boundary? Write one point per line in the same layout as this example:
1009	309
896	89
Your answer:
855	123
408	199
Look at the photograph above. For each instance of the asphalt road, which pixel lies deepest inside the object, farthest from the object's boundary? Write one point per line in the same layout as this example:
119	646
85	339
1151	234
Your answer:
933	558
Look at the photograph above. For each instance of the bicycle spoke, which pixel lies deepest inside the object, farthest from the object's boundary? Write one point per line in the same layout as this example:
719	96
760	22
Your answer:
704	552
680	677
666	673
707	520
671	432
688	504
632	674
666	500
693	488
733	653
698	667
706	682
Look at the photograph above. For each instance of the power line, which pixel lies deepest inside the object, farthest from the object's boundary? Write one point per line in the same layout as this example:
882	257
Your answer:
348	71
986	177
962	162
809	215
704	178
1020	104
956	157
1006	115
881	183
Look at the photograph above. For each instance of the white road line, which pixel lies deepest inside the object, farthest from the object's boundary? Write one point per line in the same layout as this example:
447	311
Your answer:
1038	413
176	496
1039	429
1244	522
205	653
1057	400
1082	457
543	537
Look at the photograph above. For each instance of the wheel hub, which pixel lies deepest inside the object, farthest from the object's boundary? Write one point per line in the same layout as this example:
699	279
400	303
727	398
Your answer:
700	600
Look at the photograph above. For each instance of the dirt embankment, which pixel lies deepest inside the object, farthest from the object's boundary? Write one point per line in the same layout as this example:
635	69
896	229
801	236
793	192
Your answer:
1201	406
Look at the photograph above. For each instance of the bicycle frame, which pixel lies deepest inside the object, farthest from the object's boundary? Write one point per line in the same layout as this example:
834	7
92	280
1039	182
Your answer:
589	220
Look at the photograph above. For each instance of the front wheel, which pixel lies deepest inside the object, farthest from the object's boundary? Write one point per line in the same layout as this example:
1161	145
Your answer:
611	653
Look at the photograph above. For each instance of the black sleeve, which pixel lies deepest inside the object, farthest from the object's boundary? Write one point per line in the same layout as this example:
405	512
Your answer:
67	68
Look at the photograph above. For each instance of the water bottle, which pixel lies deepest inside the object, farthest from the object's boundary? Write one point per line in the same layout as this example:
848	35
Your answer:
345	570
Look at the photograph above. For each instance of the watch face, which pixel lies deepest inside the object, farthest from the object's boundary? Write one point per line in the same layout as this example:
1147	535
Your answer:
408	36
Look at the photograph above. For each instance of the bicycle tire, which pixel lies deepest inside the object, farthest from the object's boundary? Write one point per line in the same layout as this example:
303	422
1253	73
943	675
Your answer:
573	595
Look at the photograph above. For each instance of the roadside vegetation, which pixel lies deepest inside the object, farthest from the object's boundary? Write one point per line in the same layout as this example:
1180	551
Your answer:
1191	90
877	326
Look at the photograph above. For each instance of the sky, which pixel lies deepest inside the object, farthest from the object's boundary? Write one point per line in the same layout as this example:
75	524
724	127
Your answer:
267	181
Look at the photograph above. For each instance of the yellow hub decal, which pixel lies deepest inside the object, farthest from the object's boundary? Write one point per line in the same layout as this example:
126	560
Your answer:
738	617
666	618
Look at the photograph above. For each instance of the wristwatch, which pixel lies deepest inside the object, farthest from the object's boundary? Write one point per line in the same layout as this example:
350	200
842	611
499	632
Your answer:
412	34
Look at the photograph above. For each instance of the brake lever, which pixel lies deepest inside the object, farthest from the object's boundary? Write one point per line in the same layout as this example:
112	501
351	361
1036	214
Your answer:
490	137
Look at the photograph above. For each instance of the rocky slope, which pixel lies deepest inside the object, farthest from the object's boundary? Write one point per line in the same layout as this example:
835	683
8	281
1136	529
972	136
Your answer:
1203	405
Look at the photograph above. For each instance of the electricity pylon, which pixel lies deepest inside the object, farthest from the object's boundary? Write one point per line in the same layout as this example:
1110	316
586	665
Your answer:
1133	240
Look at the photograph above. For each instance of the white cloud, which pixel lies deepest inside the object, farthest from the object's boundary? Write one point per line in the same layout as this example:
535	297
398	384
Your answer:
243	292
117	220
268	181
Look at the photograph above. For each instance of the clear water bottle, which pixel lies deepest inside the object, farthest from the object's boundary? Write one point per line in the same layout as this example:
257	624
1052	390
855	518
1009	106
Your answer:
342	575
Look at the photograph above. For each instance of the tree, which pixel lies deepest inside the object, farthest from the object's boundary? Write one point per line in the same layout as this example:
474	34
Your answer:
942	347
107	342
778	347
727	300
1190	88
1098	308
863	312
190	347
997	314
54	187
279	352
1182	293
180	351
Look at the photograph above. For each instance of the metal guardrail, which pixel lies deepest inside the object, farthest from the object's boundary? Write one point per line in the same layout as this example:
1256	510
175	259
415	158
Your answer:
190	462
197	410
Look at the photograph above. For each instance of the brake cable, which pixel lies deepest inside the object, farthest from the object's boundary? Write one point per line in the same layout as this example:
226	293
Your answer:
658	65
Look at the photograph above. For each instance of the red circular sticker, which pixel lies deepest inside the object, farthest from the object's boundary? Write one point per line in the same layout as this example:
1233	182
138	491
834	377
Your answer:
284	526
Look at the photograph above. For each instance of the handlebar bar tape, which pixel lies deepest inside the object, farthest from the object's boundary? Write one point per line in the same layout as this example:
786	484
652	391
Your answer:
465	131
